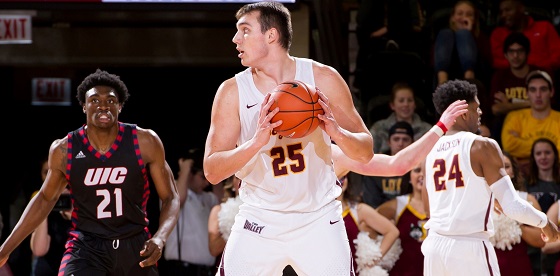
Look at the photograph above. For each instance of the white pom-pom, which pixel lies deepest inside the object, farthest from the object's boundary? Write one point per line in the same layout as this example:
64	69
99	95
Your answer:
367	256
507	232
226	216
391	257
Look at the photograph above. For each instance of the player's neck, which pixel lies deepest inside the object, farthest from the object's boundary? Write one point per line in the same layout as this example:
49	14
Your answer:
101	139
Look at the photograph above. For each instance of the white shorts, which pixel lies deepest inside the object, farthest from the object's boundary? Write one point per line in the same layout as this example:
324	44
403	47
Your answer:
263	242
458	256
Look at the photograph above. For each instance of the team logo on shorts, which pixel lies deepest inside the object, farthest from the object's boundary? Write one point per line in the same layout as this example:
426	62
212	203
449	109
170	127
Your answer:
253	227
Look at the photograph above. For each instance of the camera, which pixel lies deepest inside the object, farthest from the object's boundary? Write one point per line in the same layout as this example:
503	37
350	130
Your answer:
64	203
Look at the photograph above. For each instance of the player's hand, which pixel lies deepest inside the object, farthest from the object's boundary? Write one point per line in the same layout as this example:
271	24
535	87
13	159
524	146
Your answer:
453	111
549	232
152	252
329	124
264	126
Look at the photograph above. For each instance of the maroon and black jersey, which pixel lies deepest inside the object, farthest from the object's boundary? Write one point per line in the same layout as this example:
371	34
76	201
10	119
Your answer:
109	191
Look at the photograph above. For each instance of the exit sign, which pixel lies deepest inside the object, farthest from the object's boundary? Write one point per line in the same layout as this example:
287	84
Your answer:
50	91
15	29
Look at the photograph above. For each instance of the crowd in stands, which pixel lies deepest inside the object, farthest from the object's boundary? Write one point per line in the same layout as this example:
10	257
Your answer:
510	49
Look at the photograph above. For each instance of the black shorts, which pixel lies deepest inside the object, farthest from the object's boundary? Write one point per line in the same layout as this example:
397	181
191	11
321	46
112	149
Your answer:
89	255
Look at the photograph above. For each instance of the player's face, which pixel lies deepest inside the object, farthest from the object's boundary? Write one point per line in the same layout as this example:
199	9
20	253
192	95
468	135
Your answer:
473	116
102	107
544	156
539	94
404	104
249	40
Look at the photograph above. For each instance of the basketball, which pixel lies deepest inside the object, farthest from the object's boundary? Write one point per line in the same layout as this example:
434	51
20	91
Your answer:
299	107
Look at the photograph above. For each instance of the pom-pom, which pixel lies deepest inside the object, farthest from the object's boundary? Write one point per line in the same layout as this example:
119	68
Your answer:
226	215
368	255
392	255
506	232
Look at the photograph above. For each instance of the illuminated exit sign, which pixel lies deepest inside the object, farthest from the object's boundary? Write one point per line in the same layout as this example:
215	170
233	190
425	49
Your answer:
15	29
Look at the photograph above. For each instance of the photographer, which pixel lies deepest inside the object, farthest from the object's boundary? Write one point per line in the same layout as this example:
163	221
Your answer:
49	239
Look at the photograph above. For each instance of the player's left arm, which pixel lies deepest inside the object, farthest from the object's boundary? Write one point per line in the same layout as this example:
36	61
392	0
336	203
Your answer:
153	155
486	161
341	120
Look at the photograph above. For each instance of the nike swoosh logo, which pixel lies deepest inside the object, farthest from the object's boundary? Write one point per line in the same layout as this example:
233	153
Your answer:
333	222
249	106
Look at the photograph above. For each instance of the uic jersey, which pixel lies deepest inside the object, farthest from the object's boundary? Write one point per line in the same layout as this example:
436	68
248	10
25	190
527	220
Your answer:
286	174
109	191
460	201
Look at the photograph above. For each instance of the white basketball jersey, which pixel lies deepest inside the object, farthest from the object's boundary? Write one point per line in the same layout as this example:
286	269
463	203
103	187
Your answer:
287	174
460	201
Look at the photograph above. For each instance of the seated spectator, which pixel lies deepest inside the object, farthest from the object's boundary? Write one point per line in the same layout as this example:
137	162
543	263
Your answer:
403	104
461	49
524	126
545	42
543	182
378	189
508	88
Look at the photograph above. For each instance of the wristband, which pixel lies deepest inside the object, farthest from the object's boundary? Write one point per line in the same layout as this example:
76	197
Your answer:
442	126
437	130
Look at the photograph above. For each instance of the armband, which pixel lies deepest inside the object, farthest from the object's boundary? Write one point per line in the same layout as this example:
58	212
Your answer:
437	130
442	126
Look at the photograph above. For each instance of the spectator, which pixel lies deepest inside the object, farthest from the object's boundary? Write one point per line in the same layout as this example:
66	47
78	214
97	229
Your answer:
543	182
508	88
461	49
522	127
407	212
511	239
187	251
545	43
49	239
378	189
403	104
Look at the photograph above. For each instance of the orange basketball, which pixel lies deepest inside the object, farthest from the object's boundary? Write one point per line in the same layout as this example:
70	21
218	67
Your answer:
299	107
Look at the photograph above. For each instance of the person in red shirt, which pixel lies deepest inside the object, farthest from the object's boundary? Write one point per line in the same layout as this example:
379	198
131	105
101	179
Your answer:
545	42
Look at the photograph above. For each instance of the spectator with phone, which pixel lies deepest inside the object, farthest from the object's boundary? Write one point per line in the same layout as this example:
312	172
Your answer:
49	239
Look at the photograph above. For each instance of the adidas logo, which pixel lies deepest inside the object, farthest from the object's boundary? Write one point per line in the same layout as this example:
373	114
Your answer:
80	155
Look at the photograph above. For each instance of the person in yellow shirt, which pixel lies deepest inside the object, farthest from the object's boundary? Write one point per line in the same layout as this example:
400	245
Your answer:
522	127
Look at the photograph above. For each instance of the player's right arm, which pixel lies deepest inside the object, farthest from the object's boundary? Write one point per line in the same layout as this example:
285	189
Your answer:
40	205
221	156
407	158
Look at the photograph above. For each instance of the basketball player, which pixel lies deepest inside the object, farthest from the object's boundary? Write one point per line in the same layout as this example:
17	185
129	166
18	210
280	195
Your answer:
105	162
289	188
464	173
